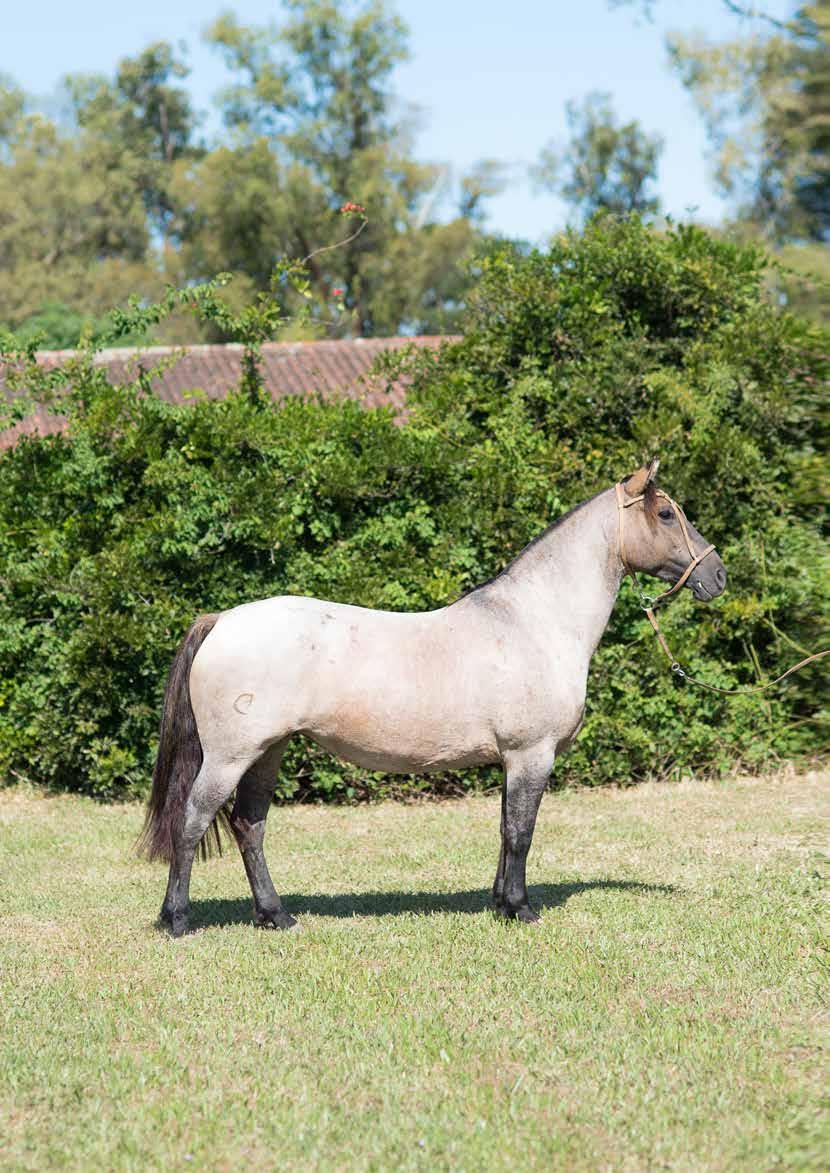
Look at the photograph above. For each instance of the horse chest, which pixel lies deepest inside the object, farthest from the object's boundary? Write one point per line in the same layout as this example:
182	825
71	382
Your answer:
541	702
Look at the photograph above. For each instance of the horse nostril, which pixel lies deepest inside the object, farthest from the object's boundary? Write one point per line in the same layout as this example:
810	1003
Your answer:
720	577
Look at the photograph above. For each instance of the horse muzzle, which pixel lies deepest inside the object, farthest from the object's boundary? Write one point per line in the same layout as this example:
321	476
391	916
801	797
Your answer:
708	579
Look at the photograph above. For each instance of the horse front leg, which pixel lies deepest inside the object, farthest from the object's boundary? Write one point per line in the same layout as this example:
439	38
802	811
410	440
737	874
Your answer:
498	883
525	778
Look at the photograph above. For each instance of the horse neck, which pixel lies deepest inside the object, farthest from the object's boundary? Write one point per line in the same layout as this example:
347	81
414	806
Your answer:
568	579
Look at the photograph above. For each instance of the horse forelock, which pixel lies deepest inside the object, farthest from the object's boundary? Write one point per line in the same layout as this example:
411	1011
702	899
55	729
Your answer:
650	503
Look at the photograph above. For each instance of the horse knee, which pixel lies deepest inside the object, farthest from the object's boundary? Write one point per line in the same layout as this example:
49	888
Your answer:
518	839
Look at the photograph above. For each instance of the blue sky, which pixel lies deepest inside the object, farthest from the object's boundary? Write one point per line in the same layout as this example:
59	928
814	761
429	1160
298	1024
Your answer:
490	79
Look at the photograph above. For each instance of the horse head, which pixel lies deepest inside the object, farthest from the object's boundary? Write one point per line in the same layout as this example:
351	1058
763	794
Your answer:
657	538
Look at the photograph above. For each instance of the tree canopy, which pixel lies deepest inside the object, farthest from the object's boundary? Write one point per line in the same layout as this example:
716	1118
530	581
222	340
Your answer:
124	184
605	166
123	190
765	100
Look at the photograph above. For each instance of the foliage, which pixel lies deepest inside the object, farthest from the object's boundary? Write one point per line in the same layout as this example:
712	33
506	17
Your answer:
56	326
764	98
578	363
149	114
74	228
605	166
315	125
122	195
119	190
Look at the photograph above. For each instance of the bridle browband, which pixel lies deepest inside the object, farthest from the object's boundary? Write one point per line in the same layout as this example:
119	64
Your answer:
623	503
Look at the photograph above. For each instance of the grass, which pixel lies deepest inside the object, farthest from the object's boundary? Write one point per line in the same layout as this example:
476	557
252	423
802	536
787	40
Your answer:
666	1014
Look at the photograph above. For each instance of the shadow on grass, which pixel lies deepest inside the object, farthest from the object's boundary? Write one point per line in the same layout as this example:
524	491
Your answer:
347	904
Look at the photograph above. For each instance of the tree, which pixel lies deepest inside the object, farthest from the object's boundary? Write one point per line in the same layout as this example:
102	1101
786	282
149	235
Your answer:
145	114
314	113
765	100
486	179
84	202
73	227
605	165
121	197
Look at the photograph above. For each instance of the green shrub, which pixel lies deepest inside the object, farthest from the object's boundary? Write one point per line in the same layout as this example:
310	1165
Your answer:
578	363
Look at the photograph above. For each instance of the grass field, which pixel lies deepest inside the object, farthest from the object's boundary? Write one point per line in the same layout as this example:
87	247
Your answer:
666	1013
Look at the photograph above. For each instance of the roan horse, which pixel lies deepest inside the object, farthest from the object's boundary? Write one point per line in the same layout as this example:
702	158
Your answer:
498	676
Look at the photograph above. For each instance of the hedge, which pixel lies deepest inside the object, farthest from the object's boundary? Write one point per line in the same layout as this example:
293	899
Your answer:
578	363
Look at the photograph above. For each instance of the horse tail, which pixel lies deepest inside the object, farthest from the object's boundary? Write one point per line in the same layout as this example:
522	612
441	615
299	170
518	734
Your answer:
179	757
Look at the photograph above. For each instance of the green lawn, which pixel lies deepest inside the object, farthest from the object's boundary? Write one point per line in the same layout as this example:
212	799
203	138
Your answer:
666	1014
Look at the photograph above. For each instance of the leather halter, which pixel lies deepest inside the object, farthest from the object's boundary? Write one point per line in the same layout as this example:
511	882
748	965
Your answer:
623	503
648	605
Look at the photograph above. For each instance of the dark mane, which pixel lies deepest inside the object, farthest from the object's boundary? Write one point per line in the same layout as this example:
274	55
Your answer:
534	542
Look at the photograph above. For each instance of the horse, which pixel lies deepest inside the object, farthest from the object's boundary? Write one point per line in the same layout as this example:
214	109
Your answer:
497	677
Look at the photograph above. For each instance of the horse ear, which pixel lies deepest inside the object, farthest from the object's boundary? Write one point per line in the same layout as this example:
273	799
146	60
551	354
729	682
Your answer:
635	486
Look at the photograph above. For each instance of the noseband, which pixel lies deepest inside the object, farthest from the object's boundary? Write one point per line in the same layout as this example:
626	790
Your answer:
623	502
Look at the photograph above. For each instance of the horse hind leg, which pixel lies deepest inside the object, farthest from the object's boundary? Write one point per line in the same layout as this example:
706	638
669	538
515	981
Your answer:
253	801
212	787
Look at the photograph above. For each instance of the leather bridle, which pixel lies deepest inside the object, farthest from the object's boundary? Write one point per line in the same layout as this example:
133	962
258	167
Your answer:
648	603
623	503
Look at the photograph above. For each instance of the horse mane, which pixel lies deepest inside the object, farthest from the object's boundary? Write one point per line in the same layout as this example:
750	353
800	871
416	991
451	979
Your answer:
533	542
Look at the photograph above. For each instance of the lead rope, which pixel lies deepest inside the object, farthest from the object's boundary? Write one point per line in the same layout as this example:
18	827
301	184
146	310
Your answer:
680	671
648	604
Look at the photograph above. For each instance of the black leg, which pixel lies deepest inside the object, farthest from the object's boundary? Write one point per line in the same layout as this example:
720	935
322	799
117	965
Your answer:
176	906
250	810
498	883
212	787
524	785
205	799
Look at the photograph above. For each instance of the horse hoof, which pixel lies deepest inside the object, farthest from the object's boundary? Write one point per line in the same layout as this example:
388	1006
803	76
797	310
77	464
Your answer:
276	920
177	925
526	915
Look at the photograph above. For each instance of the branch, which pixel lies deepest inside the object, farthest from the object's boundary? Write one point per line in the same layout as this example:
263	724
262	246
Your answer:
339	243
753	14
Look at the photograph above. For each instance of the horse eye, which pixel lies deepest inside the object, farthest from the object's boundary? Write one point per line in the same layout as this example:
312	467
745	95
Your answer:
665	514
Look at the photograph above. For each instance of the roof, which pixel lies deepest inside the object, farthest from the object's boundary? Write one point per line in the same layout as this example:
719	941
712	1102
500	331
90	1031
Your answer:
331	367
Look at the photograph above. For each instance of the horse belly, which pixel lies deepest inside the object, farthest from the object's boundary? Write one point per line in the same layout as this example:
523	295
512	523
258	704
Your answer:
398	717
398	699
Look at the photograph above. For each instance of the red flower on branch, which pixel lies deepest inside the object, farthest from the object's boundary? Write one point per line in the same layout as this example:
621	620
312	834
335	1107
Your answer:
337	291
352	209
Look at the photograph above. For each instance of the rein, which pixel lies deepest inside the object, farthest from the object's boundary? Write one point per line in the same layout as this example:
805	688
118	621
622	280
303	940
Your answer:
648	603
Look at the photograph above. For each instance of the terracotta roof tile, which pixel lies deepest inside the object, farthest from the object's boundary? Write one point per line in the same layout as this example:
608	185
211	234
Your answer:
329	367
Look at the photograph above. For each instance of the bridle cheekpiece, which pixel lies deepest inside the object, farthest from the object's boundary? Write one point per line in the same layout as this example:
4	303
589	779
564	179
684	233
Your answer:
623	503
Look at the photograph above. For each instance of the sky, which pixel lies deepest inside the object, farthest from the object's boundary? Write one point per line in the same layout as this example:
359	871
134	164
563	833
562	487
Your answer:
489	79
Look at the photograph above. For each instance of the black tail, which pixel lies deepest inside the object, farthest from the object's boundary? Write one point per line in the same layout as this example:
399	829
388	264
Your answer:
179	757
